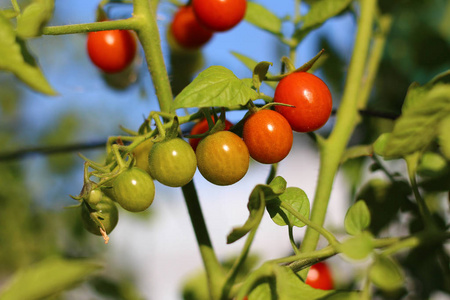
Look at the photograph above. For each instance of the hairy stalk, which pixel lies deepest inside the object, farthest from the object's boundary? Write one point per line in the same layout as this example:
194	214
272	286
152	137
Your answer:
148	32
334	147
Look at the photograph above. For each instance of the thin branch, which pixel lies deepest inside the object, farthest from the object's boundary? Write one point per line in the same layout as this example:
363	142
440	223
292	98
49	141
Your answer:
49	150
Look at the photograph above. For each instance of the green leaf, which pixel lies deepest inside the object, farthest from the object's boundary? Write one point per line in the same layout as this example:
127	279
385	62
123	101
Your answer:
289	286
295	197
275	282
251	64
262	18
34	17
15	58
320	11
47	278
432	165
444	137
341	295
278	185
259	73
357	218
256	205
357	151
358	247
379	146
418	126
215	87
383	198
386	273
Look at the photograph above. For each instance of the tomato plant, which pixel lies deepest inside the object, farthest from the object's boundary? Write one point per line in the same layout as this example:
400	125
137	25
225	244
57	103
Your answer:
134	190
320	277
111	50
106	212
172	162
219	15
202	127
222	158
311	98
187	31
268	136
396	223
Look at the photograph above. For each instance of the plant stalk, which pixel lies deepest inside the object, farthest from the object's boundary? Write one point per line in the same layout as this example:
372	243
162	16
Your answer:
346	119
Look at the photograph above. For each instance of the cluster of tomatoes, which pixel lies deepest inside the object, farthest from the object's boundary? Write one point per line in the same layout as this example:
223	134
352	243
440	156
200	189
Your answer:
194	24
222	157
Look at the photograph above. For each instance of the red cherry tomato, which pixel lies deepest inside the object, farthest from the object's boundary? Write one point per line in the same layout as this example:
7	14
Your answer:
319	277
202	127
268	136
311	98
219	15
187	31
111	50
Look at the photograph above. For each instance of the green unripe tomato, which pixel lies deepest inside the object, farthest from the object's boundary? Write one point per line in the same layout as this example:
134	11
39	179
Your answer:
106	212
134	190
141	153
172	162
223	158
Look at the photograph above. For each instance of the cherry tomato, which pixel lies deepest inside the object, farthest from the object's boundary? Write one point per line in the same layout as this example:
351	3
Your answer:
134	190
202	127
172	162
311	98
107	214
319	277
111	50
219	15
187	31
268	136
222	158
141	153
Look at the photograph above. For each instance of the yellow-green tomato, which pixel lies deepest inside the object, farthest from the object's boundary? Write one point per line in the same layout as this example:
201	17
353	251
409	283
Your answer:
134	190
172	162
106	213
141	153
223	158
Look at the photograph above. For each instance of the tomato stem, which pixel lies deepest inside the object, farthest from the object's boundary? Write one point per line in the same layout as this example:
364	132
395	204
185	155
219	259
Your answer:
334	147
211	263
148	33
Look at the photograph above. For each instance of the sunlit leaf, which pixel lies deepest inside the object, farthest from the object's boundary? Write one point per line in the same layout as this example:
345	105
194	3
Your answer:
47	278
215	87
262	18
34	17
15	58
418	126
296	198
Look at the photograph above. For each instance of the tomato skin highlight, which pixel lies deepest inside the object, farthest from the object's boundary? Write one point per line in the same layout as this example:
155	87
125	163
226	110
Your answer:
268	136
319	277
219	15
202	127
311	98
134	190
111	50
187	31
172	162
223	158
107	210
